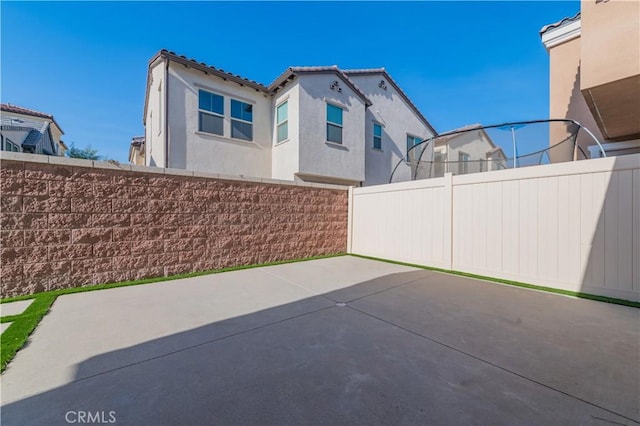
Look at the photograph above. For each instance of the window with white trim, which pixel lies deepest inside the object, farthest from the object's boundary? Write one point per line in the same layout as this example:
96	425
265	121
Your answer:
377	136
282	121
334	124
9	145
413	154
241	120
210	113
463	163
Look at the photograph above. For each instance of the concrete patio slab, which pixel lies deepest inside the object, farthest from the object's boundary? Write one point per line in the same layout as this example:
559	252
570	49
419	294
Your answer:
4	326
14	308
326	275
272	346
80	326
585	348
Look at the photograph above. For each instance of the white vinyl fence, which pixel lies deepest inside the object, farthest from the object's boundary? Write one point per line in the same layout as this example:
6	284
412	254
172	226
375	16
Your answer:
572	226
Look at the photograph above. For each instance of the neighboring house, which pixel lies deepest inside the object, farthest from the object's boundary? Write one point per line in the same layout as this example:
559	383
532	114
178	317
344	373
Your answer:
315	124
594	60
62	148
136	151
26	130
470	151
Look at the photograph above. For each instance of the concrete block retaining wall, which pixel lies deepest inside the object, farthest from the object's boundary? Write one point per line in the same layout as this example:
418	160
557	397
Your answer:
68	223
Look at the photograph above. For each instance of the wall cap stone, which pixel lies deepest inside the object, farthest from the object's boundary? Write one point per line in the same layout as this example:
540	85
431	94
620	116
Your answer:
19	156
111	166
77	162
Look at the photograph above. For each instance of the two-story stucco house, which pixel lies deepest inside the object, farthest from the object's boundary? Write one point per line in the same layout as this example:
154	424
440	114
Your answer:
26	130
315	124
471	150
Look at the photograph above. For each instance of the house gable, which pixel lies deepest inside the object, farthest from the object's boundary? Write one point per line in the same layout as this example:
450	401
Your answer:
387	79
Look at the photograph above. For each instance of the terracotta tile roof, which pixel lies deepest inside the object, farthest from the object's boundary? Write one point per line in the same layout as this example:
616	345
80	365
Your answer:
365	71
561	23
285	77
291	72
26	111
137	140
210	69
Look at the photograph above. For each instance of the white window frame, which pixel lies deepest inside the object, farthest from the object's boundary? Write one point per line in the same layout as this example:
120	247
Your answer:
8	142
327	123
373	135
409	135
215	114
463	162
285	121
439	161
240	120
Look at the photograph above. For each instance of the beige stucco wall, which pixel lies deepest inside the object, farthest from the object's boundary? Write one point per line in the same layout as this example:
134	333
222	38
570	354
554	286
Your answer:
154	120
610	34
285	155
610	66
566	100
136	156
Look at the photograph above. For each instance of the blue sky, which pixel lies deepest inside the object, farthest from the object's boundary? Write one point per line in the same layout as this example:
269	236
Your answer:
460	62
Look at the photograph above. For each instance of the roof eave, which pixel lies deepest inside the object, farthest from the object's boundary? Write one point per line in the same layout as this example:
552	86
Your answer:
210	70
291	73
412	106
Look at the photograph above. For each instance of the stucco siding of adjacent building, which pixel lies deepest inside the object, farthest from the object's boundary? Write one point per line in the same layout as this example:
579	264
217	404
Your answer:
154	119
472	143
397	120
17	126
610	62
610	34
595	74
318	157
286	154
566	100
206	152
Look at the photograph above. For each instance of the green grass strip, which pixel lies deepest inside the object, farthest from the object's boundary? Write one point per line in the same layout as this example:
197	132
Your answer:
21	328
22	325
512	283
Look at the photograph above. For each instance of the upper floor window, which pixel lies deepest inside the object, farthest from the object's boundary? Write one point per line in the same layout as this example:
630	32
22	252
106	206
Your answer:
377	136
241	120
9	145
413	154
282	121
334	124
211	113
463	163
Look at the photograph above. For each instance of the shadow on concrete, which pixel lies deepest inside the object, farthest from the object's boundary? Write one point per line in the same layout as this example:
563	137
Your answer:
409	348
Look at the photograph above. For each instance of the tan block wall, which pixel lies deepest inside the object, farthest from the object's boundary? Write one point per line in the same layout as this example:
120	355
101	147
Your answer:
65	225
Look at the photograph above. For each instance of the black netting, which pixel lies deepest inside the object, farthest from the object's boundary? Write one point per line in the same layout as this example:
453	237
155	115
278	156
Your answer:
476	149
